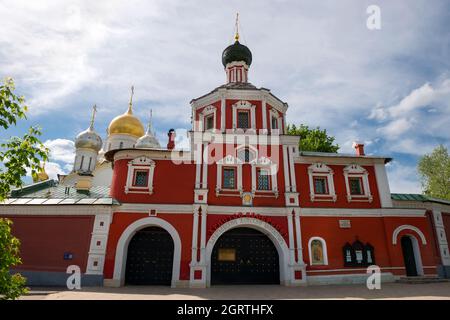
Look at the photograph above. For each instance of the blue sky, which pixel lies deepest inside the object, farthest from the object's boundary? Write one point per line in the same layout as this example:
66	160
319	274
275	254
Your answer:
389	88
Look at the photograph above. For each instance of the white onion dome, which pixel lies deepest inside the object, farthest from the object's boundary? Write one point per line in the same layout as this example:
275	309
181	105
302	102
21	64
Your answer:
88	139
148	140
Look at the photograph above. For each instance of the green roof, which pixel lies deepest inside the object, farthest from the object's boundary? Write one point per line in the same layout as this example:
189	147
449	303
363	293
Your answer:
416	197
50	192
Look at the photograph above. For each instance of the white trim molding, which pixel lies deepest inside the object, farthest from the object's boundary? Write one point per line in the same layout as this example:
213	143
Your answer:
408	227
122	248
324	251
140	163
356	171
321	170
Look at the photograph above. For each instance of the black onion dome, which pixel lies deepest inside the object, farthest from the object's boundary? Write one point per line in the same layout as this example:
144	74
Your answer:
236	52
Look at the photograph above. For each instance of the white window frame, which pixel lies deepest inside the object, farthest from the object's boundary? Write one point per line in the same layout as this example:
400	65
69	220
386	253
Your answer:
356	171
267	164
274	114
229	161
244	105
324	248
321	170
140	163
206	112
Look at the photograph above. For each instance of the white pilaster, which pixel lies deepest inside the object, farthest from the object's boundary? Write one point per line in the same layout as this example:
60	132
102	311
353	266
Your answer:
99	239
383	185
286	170
264	113
291	166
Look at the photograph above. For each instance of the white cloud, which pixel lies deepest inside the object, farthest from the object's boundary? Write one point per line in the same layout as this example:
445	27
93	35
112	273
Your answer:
403	178
396	127
61	150
317	56
410	146
53	169
418	98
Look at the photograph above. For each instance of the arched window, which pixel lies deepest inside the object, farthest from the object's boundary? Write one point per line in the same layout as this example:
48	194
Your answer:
369	254
358	254
317	252
120	145
246	155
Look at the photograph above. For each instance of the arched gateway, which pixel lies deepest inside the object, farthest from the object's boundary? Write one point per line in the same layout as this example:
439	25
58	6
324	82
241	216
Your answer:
247	250
134	239
150	258
244	256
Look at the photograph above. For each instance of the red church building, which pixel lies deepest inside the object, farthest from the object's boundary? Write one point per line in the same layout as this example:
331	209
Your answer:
243	206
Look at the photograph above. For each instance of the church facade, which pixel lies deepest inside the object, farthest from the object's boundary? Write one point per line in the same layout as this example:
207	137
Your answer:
243	206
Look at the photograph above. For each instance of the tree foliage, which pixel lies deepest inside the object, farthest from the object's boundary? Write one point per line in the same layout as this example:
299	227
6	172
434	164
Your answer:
313	139
11	285
18	153
434	171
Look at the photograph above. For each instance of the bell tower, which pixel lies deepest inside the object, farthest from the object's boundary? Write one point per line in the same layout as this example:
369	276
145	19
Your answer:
236	59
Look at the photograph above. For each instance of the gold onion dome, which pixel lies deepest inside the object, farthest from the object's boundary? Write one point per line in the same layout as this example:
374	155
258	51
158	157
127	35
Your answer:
41	175
88	138
127	123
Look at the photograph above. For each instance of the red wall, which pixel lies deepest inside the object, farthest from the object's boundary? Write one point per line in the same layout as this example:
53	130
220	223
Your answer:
374	230
45	239
247	183
446	221
171	183
302	178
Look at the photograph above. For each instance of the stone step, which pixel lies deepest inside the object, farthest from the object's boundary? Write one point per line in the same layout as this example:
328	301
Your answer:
422	279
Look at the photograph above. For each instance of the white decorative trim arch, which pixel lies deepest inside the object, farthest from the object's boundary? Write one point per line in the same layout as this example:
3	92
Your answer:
408	227
262	226
122	248
324	248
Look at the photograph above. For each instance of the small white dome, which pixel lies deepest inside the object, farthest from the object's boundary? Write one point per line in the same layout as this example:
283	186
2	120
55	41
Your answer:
147	141
88	139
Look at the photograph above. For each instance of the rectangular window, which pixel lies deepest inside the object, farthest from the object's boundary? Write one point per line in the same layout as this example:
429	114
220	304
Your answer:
320	185
243	119
263	179
274	123
229	178
355	186
140	178
209	122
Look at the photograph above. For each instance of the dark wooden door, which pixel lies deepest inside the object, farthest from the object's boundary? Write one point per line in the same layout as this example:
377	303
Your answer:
408	256
150	258
244	256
